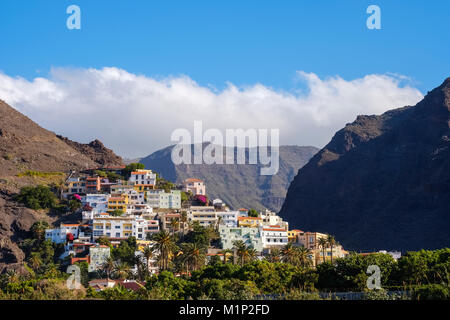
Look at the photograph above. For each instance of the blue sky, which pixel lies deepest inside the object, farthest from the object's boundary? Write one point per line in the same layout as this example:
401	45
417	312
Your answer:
244	42
302	66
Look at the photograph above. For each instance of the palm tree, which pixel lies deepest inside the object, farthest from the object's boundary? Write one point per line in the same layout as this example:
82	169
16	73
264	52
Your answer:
226	253
183	220
323	243
289	254
194	255
38	229
35	260
165	245
332	242
122	270
252	254
304	257
174	225
149	253
241	251
108	266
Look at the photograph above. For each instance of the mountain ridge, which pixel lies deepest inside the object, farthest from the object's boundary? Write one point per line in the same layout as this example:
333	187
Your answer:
239	185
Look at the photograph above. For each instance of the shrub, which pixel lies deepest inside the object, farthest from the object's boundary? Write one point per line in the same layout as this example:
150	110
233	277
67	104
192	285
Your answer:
431	292
36	198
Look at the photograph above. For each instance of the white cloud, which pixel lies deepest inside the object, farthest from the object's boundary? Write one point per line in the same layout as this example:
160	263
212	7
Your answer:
135	115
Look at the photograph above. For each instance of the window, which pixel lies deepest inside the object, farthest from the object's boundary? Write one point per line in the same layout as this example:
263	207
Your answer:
117	234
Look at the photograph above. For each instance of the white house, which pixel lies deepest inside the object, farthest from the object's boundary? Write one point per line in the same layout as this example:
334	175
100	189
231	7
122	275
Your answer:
143	177
270	218
60	235
124	227
98	255
98	202
273	236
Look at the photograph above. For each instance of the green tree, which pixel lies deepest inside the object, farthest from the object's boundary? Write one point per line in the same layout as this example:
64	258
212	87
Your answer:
323	243
39	197
331	243
126	172
253	213
165	246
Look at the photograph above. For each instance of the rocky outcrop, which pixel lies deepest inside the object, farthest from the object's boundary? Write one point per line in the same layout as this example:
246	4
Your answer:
96	151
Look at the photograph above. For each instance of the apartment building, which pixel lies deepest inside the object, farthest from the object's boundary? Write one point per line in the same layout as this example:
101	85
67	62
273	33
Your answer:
75	186
143	177
270	218
164	200
273	236
207	215
118	202
121	228
98	255
250	236
166	219
249	222
93	184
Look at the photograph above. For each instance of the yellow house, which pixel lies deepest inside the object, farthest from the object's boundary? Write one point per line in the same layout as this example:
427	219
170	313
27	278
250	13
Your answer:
143	187
293	235
249	222
118	203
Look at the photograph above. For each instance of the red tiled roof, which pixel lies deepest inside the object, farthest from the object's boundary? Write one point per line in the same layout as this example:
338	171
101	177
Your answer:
193	180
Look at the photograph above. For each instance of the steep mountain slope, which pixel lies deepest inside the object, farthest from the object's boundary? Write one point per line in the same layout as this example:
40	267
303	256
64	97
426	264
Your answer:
24	145
239	185
383	182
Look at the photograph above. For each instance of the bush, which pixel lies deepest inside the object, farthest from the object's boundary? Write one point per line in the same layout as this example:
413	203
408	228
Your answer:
130	168
253	213
431	292
40	197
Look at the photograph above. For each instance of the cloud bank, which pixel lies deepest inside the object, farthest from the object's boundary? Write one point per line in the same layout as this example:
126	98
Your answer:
135	115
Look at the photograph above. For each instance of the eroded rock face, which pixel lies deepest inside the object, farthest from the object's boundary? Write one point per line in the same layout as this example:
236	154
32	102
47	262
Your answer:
383	182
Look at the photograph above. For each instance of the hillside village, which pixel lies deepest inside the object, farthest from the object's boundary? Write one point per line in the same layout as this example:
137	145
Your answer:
144	206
